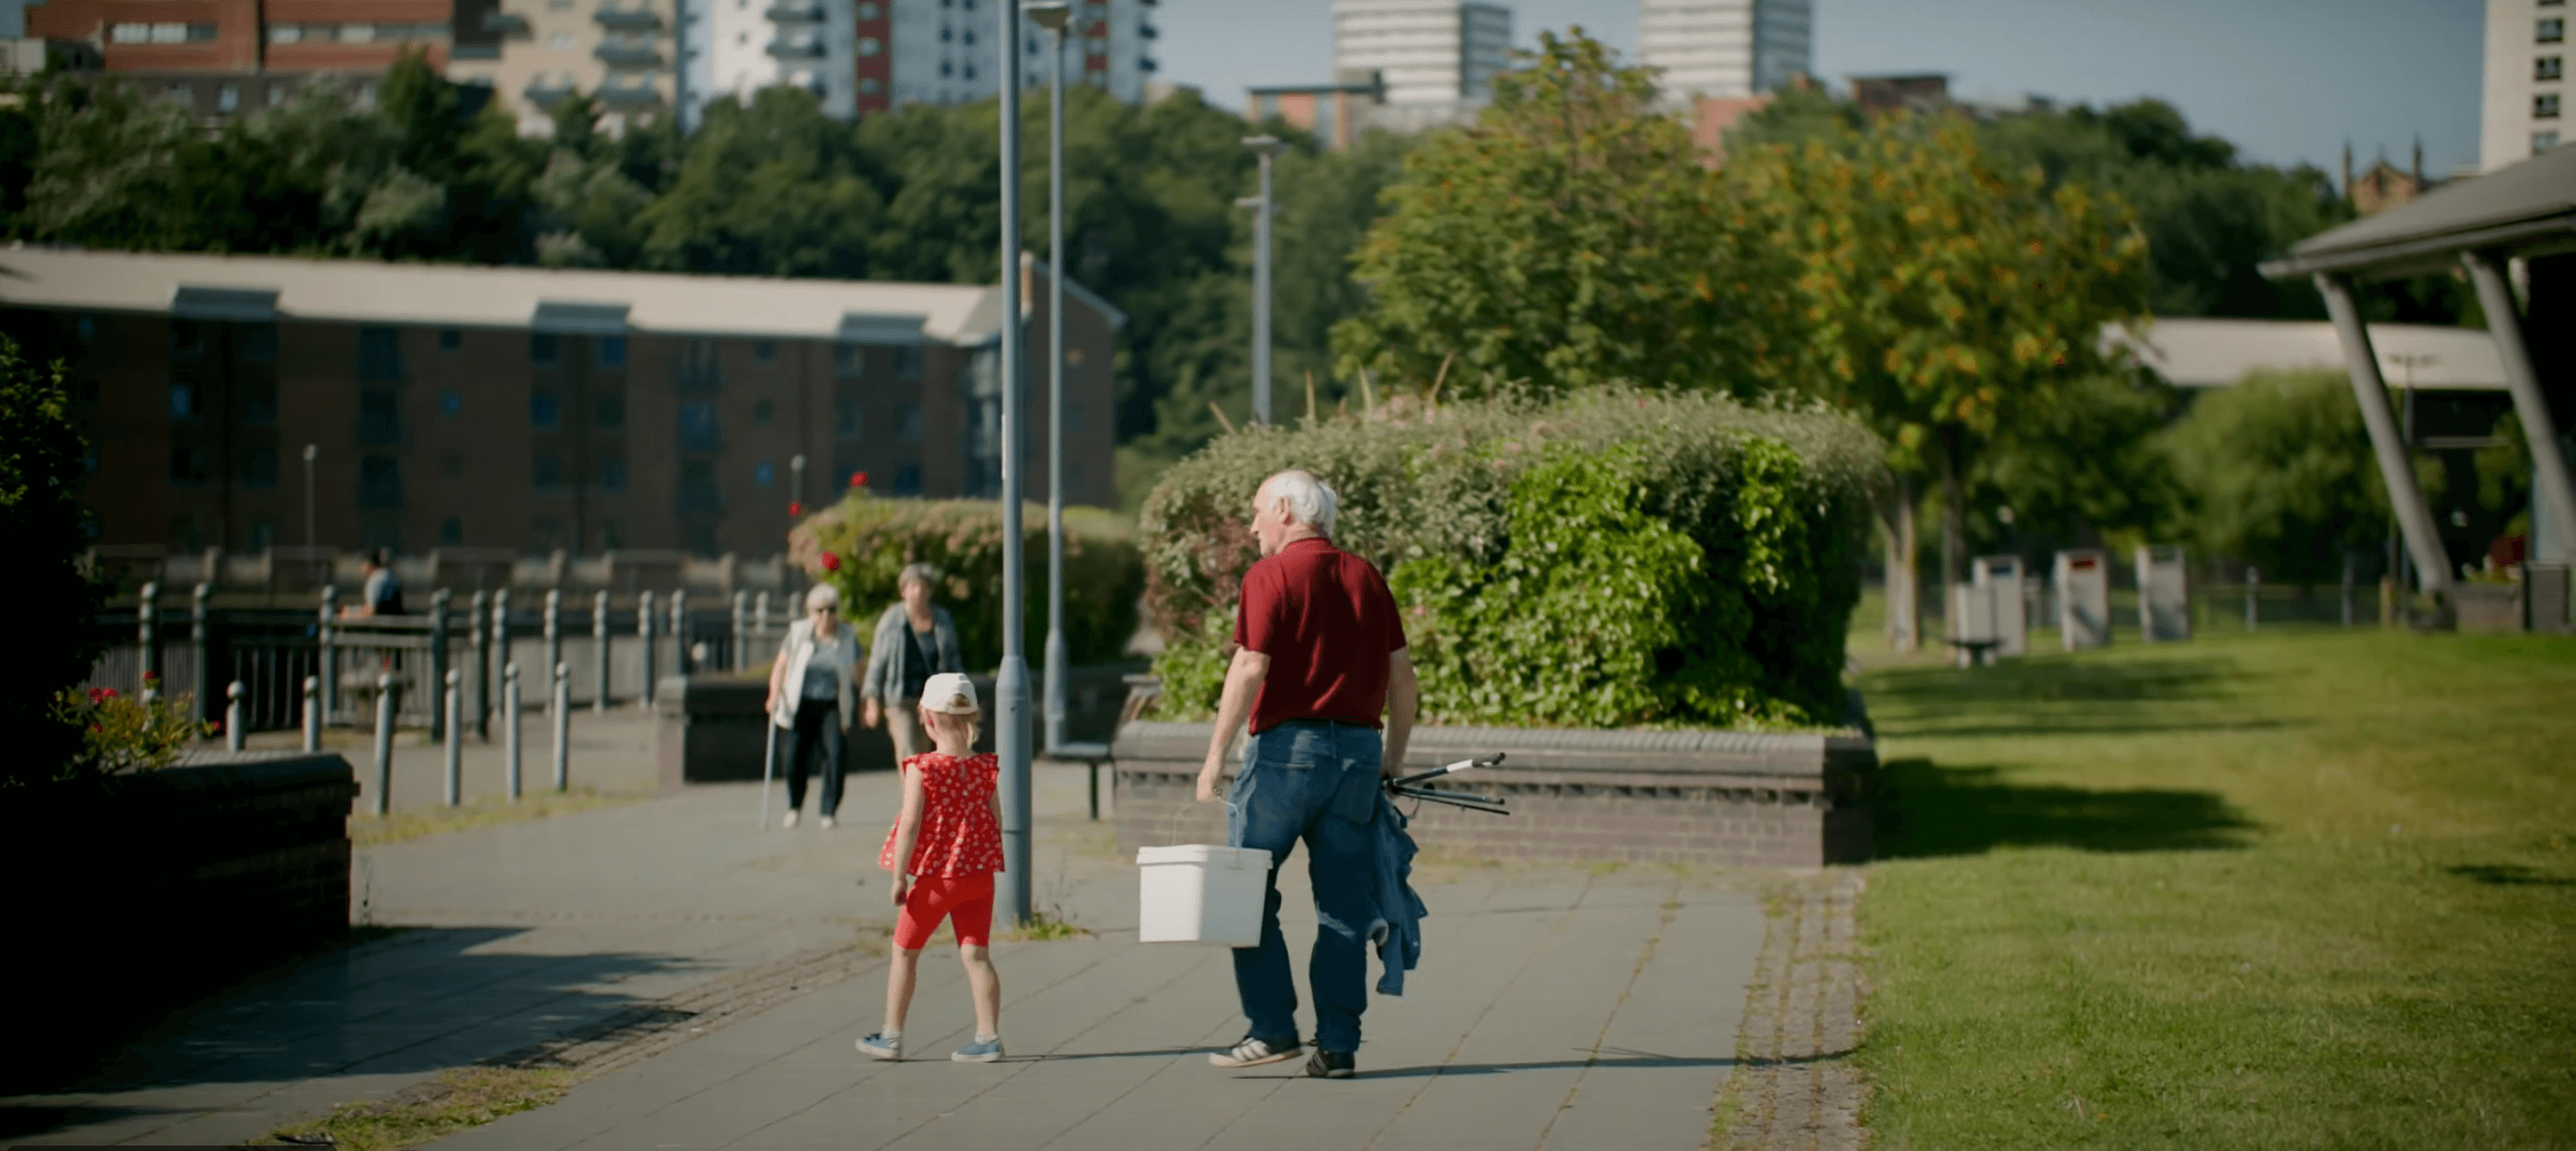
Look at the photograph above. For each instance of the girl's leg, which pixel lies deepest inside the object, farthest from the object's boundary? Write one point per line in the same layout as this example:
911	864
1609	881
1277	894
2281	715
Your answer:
987	983
899	979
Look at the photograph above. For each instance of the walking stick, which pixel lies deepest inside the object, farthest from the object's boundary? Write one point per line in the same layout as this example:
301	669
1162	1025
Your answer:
768	766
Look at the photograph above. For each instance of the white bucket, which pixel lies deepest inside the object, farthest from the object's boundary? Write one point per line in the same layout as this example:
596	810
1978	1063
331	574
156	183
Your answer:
1200	893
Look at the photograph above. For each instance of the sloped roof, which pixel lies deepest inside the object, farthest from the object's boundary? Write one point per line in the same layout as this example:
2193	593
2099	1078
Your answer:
2525	208
2200	352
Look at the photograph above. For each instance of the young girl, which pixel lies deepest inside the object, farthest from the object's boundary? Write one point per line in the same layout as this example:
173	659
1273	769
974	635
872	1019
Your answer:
944	850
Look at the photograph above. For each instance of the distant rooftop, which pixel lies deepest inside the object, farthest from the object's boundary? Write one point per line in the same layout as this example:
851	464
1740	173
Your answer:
2200	352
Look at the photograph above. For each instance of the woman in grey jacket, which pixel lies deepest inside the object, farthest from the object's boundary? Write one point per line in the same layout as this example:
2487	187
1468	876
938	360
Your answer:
915	640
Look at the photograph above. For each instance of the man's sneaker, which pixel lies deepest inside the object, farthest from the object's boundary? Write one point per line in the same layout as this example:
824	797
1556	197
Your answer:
1329	1064
1255	1052
827	823
980	1051
790	821
876	1044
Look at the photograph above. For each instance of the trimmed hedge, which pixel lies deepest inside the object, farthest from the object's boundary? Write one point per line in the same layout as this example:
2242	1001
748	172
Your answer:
1617	560
870	539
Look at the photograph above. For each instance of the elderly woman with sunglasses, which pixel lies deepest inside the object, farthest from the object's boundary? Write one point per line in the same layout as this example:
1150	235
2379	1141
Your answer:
811	686
915	640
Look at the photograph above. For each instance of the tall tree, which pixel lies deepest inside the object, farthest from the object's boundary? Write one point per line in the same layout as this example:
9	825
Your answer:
2280	474
1943	300
40	514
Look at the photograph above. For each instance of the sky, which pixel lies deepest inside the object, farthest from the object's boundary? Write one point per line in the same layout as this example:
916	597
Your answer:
2288	81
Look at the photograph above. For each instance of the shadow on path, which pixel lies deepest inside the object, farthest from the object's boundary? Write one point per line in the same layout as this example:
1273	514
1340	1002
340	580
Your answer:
1924	809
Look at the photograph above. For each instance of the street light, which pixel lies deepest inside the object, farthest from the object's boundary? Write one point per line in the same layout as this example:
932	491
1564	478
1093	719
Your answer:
1052	15
1011	682
310	451
1269	148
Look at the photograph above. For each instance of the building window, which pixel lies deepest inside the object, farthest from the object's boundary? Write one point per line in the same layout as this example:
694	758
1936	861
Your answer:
547	470
545	411
907	361
612	351
187	339
698	491
449	339
762	412
183	401
228	98
451	532
285	33
699	367
2544	106
366	97
907	423
946	69
2543	141
379	417
258	401
187	465
612	472
907	480
379	482
451	403
845	418
277	95
259	469
259	342
2553	30
868	86
611	536
868	11
545	349
560	41
698	429
868	46
608	412
850	361
380	354
764	473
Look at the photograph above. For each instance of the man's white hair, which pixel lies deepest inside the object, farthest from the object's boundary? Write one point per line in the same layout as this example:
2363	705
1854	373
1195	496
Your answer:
1310	501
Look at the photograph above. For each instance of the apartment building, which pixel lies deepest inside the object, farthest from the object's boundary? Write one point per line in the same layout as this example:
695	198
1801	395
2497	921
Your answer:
1724	48
735	48
231	57
949	52
2526	81
533	54
1431	53
1338	114
531	409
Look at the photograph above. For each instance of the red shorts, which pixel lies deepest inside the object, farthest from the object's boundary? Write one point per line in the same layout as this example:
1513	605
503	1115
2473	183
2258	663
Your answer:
966	901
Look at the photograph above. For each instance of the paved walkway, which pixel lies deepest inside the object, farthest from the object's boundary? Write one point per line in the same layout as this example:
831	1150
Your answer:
1556	1007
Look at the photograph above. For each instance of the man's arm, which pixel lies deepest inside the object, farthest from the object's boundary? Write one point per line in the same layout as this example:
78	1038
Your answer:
1242	678
1403	704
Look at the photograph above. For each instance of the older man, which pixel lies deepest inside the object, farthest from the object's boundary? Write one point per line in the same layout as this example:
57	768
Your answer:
1321	658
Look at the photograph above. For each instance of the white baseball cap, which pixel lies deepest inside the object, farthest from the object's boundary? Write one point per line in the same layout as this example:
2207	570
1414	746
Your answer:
944	691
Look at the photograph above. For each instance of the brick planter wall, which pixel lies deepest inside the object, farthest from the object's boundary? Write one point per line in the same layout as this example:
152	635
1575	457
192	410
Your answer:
134	894
1710	797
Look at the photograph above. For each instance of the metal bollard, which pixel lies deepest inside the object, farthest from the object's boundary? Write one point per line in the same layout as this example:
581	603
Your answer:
455	742
599	632
312	713
501	627
327	656
233	716
384	742
510	725
200	666
644	632
441	661
483	678
147	629
759	629
554	628
2253	585
680	632
741	623
563	727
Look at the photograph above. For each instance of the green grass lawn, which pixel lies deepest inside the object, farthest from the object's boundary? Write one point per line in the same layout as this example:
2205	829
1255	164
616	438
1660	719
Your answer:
2304	888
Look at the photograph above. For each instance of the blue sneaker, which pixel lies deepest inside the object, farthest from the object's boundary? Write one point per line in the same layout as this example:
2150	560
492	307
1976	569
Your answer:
980	1051
876	1044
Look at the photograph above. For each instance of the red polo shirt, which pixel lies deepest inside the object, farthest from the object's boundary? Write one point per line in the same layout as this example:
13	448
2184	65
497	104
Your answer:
1328	624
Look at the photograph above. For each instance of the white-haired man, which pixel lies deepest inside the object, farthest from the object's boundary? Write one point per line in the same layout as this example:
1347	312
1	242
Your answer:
1320	661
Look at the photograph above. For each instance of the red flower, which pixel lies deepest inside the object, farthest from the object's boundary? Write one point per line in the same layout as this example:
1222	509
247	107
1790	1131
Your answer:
858	479
151	677
95	727
101	694
796	509
831	563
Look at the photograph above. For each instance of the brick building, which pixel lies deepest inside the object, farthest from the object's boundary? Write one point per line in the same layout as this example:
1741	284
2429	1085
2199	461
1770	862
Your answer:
234	57
532	409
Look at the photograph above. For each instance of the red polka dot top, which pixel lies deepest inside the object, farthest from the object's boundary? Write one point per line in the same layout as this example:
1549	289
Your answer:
958	836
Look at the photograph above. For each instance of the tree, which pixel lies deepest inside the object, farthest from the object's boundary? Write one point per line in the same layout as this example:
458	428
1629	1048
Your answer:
2280	474
41	517
1569	239
770	190
1946	302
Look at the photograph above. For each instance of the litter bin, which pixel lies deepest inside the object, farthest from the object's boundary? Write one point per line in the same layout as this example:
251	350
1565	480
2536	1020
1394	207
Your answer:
1201	893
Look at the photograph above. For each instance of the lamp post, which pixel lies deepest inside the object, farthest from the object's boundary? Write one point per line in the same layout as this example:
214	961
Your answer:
1269	148
1011	681
1052	15
310	451
796	481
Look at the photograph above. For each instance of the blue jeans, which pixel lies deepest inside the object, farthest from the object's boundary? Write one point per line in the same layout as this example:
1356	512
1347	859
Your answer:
1315	780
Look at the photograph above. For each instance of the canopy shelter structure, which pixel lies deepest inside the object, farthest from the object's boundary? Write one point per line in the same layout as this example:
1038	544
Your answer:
2513	232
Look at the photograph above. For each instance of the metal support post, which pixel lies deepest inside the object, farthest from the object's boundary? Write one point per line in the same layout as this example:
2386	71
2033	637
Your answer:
554	628
2539	429
512	751
501	655
563	727
147	631
479	625
200	665
2396	470
233	735
454	703
442	722
1011	727
312	713
740	656
644	634
326	656
1055	20
599	637
382	799
1269	148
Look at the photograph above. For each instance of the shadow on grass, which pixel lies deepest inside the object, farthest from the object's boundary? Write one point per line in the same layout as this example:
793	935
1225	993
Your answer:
2057	695
1924	809
2508	875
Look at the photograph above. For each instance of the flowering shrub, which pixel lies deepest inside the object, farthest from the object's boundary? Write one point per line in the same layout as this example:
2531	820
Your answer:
861	545
1612	561
121	733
